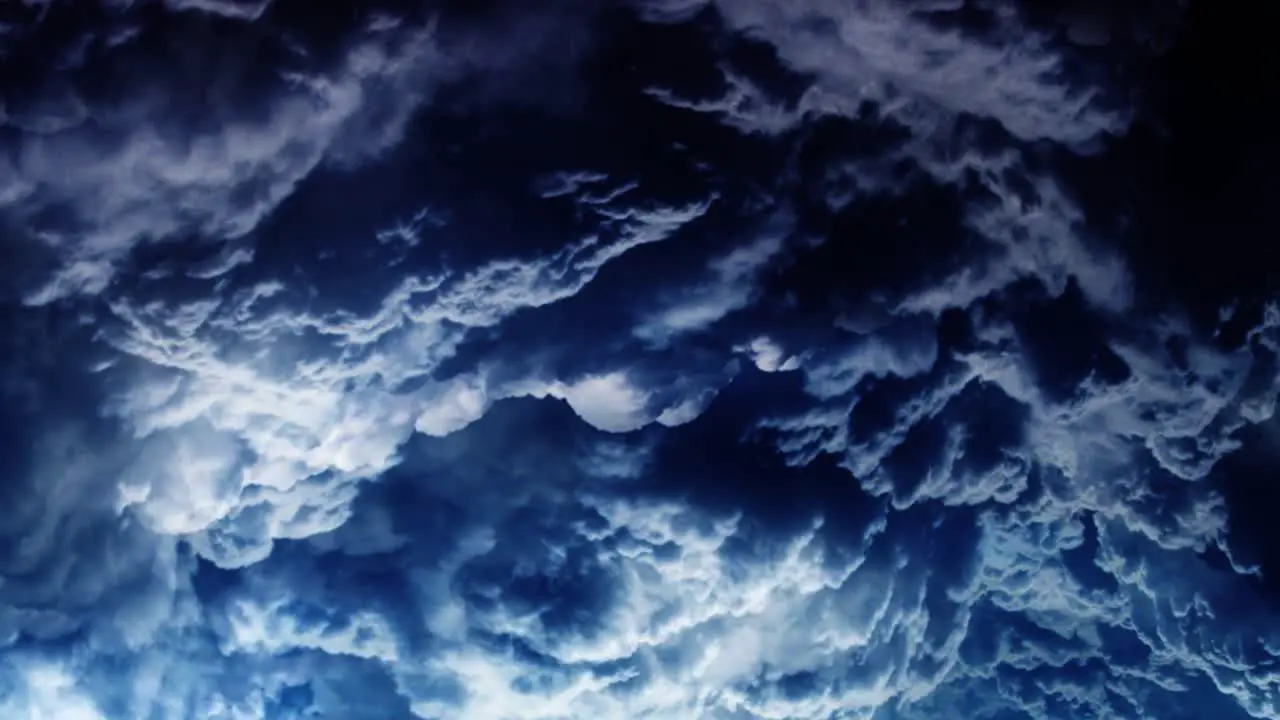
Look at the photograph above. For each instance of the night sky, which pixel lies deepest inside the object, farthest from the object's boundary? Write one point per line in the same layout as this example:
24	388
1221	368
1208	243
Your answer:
613	359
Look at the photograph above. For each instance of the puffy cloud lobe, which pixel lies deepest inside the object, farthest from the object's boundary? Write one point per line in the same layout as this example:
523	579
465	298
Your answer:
768	356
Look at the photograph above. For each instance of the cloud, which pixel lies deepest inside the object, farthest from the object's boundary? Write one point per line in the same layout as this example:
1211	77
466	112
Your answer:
236	9
617	605
142	176
910	67
462	404
274	443
797	424
608	402
49	693
769	357
1079	479
184	482
919	68
730	288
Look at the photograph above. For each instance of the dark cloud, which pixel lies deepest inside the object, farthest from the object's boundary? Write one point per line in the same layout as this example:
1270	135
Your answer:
669	358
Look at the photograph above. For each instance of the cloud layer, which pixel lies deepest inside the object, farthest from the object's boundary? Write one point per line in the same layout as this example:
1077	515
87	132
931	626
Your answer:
797	371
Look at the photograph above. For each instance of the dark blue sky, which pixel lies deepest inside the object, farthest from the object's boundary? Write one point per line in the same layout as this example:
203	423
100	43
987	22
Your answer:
742	359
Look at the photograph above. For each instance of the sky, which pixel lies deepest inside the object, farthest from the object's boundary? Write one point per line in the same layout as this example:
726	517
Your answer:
612	359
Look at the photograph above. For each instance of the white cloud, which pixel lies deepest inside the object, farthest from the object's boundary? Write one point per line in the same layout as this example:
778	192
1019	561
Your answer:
272	442
920	72
1125	460
686	410
730	287
608	401
273	629
162	183
50	693
568	183
697	630
224	262
460	404
913	71
236	9
768	356
260	424
184	481
1040	240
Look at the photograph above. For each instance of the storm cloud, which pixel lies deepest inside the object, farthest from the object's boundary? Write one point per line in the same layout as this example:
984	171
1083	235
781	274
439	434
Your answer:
650	359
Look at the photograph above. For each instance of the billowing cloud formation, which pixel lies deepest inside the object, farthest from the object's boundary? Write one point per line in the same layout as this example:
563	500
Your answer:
144	171
796	371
